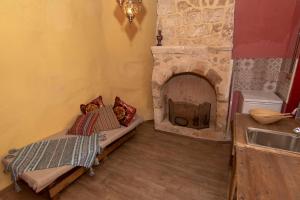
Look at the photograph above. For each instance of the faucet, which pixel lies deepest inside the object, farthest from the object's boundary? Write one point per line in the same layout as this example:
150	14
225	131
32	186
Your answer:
295	111
297	131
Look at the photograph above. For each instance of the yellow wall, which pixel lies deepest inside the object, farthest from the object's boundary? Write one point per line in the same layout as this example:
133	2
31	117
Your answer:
56	54
128	69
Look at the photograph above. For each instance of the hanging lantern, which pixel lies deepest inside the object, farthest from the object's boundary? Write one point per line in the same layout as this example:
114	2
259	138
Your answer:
120	2
131	8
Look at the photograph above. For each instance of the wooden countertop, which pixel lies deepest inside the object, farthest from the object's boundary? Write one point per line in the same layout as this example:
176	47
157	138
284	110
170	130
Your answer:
264	173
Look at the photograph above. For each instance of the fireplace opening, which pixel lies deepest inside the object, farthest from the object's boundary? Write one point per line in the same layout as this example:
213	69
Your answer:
189	101
189	115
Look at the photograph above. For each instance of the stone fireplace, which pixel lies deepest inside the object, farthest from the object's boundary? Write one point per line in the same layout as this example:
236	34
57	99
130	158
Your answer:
192	70
194	75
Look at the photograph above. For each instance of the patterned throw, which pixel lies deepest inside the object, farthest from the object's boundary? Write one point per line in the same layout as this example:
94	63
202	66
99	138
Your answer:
75	151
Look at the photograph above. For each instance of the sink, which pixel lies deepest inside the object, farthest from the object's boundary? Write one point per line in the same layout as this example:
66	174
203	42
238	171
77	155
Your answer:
273	139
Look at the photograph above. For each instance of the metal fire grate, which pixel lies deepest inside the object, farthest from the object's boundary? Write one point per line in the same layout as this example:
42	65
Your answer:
189	115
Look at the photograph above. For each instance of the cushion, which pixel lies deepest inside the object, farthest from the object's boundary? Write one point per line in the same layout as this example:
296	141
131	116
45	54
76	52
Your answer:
107	120
84	124
124	112
93	105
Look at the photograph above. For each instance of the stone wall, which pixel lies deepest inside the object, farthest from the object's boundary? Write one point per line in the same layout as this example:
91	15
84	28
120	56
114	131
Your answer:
196	22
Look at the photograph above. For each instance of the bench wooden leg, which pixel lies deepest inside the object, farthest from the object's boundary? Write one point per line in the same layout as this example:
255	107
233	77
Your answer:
55	188
53	192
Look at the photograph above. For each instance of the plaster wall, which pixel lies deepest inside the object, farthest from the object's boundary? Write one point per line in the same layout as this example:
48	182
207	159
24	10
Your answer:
263	28
56	54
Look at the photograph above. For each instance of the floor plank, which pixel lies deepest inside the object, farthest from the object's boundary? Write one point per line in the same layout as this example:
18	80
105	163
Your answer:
152	166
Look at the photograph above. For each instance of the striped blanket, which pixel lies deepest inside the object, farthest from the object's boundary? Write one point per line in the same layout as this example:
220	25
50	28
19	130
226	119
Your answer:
75	151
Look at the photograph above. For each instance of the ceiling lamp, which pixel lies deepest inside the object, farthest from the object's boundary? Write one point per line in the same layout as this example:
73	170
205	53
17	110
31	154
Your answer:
130	8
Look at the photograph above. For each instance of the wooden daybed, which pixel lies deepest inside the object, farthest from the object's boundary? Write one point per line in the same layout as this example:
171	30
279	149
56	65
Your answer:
54	180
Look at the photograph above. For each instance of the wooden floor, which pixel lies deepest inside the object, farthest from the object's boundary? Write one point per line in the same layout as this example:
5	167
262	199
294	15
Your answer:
152	166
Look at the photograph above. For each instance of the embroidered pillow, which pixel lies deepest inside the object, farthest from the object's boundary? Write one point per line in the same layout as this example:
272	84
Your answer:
124	112
107	120
84	124
93	105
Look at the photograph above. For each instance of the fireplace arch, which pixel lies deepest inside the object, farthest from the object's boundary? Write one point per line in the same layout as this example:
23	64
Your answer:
191	98
162	75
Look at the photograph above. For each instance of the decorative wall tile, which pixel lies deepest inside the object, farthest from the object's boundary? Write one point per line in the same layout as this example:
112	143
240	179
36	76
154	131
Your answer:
284	82
257	74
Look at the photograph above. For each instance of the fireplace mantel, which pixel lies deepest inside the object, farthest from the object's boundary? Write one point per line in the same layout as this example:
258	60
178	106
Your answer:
187	49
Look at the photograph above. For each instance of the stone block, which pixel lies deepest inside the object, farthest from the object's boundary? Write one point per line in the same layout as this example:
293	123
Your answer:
172	21
165	7
195	3
214	77
158	115
217	27
210	15
222	2
183	6
193	17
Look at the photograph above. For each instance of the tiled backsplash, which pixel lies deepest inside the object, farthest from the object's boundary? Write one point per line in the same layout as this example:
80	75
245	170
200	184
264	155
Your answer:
283	85
257	74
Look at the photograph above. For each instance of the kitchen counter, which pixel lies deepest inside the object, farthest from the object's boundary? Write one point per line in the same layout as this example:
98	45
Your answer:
264	173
